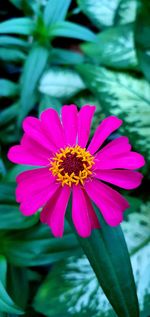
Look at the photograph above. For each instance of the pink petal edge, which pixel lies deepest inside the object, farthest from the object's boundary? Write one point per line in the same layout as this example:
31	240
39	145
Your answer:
53	212
69	115
85	116
129	160
106	127
123	178
109	201
52	126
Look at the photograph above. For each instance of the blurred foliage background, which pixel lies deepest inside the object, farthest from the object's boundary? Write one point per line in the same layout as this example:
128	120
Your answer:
55	52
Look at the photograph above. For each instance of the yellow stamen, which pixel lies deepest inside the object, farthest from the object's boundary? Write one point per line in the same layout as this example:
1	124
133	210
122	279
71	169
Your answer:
72	165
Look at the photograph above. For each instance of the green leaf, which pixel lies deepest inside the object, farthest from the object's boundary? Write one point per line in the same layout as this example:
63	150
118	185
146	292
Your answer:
107	253
33	68
79	293
114	48
7	192
101	13
137	225
36	246
70	29
6	303
26	6
9	113
49	102
11	55
126	11
3	270
2	169
125	96
18	276
8	88
142	38
11	218
61	83
12	41
24	26
9	134
73	286
62	56
55	10
17	3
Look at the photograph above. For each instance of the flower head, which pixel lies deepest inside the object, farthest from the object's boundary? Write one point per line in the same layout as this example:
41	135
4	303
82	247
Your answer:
58	145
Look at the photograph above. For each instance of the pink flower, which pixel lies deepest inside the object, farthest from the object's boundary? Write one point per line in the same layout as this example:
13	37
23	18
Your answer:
67	165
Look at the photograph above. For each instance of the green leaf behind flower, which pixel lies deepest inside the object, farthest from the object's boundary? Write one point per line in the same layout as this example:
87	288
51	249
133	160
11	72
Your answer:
114	48
61	83
125	96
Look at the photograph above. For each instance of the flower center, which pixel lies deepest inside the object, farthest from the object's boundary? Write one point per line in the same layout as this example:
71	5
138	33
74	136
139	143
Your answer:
72	165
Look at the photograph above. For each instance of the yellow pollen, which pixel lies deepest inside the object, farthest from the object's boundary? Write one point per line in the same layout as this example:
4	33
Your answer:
72	165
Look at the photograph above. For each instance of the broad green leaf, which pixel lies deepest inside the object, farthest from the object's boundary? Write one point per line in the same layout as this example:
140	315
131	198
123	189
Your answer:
36	246
9	134
33	68
125	96
126	11
114	48
137	225
18	277
24	26
107	253
101	13
68	57
6	303
25	5
11	55
79	293
9	113
49	102
2	169
55	10
17	3
3	270
11	218
142	38
7	192
7	41
61	83
72	30
8	88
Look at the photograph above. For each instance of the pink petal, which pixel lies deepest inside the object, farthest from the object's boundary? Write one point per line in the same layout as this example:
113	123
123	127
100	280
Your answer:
70	122
34	146
82	213
92	215
107	126
110	202
34	129
33	181
122	178
115	147
84	124
21	155
130	160
37	199
52	125
53	212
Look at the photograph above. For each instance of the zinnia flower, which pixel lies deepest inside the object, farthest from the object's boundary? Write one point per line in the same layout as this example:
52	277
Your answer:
58	146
